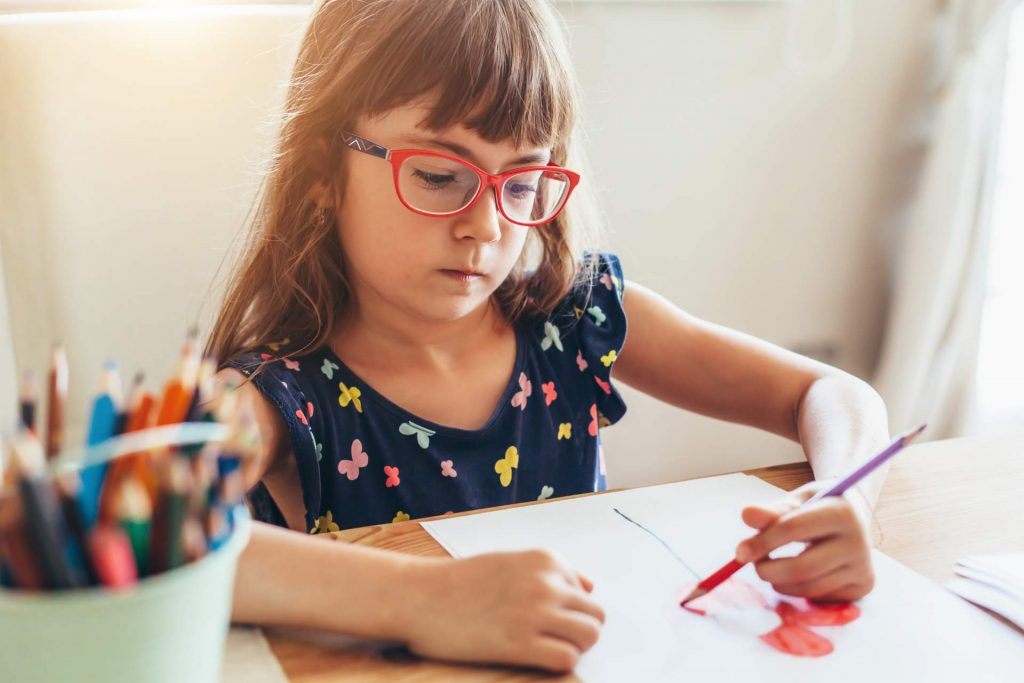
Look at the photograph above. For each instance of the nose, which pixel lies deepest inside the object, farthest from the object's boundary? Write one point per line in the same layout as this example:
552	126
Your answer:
481	222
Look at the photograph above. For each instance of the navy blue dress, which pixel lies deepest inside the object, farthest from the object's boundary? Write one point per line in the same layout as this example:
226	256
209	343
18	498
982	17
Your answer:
363	460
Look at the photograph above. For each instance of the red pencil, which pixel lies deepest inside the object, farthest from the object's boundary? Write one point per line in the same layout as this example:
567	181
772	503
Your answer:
112	557
848	480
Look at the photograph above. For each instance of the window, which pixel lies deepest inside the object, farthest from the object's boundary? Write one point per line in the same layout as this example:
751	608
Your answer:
1000	378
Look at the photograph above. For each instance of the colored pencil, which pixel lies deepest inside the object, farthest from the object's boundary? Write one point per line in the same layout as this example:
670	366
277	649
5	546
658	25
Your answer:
131	404
113	522
68	486
102	426
16	551
43	517
202	406
169	516
112	555
56	397
845	482
134	515
135	465
28	401
177	396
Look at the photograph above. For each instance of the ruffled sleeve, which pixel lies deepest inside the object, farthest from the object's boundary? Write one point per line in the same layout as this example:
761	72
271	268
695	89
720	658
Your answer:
281	383
601	331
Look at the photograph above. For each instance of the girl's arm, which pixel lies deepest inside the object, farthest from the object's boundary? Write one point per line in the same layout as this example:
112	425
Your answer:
837	418
725	374
524	608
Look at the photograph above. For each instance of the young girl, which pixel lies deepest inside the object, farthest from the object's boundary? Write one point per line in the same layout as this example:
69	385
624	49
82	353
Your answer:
422	335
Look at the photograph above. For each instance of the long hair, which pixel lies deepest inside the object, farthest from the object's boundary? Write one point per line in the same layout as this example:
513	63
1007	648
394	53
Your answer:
499	67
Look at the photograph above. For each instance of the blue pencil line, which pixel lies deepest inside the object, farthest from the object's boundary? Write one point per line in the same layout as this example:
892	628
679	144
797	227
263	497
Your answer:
659	540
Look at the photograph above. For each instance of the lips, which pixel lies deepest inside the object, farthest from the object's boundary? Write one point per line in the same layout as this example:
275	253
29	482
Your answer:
460	273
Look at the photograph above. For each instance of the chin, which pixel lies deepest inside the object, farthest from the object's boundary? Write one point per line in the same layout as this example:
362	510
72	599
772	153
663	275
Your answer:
451	307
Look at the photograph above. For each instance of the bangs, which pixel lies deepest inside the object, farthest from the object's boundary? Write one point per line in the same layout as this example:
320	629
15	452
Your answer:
495	66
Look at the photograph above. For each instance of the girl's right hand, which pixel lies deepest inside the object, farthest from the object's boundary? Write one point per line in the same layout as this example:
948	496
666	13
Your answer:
522	608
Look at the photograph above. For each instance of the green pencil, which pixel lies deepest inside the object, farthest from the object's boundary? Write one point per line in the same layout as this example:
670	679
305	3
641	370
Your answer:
134	515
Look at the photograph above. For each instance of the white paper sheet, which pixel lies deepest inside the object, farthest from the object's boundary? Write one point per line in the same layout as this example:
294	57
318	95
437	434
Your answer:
995	582
248	658
910	629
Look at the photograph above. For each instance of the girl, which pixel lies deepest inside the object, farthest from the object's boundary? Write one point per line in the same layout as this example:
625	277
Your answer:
421	334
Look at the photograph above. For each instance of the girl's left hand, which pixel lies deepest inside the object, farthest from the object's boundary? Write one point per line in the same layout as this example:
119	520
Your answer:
835	565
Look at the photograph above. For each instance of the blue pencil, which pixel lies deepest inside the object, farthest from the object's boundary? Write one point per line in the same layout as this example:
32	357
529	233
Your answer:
102	426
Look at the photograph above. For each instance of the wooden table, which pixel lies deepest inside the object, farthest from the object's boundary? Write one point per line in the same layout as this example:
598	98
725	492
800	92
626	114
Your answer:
943	500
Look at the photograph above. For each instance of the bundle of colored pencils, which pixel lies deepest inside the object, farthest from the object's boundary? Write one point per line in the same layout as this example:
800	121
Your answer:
142	513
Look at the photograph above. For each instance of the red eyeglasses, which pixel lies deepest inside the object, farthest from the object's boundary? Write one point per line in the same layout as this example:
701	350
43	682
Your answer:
435	184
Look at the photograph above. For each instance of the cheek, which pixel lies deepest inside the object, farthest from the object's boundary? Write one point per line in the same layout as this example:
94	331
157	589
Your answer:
375	230
513	241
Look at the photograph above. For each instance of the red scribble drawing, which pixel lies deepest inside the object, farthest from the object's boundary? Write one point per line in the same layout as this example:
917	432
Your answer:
741	606
793	636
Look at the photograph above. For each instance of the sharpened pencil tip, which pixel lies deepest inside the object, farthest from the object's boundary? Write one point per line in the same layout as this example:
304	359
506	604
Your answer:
914	434
694	594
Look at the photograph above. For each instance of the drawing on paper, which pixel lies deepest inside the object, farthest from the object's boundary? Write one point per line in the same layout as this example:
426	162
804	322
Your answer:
742	608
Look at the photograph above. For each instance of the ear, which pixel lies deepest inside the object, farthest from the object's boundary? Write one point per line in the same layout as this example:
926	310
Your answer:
322	194
325	192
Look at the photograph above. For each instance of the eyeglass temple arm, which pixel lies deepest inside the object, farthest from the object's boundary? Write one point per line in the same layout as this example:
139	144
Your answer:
365	146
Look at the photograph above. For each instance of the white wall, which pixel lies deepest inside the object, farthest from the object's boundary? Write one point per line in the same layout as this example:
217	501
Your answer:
129	154
765	191
129	148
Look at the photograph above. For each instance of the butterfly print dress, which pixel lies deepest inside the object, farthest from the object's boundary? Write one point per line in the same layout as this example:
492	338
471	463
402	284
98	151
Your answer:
364	460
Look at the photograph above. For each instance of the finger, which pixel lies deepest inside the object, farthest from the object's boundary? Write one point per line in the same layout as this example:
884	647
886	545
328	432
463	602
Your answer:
757	517
820	586
586	605
848	593
761	516
571	576
582	630
547	652
827	518
818	560
807	491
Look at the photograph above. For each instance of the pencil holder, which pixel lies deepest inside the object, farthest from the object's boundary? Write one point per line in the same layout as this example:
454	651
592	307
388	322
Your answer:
169	627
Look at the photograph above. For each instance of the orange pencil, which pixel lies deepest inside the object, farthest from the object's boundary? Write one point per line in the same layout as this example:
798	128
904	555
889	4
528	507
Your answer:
134	465
177	397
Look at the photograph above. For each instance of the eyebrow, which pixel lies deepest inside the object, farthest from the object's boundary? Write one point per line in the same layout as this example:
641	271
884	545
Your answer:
459	150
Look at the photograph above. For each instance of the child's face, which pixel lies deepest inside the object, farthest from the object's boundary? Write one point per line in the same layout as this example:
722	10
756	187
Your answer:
433	268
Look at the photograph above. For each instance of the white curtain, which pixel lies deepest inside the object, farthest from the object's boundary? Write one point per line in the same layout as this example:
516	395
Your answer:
929	354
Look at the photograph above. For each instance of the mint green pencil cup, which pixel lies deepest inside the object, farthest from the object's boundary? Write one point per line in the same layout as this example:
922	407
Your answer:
169	627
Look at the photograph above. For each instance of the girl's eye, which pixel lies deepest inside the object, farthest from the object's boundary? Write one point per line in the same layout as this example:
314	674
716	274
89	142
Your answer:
435	181
520	190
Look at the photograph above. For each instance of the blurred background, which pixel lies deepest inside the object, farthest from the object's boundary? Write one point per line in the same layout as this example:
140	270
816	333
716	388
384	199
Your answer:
840	177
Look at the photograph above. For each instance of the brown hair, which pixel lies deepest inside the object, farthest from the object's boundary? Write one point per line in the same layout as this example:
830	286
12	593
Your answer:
499	67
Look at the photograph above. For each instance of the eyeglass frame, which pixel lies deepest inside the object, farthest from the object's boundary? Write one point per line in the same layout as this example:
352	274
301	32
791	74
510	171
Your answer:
398	156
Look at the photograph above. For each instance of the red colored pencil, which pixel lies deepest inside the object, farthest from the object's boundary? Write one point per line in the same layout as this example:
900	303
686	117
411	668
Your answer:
112	557
849	479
